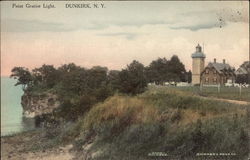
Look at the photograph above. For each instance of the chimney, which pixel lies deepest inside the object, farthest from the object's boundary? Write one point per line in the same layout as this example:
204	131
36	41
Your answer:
214	60
224	61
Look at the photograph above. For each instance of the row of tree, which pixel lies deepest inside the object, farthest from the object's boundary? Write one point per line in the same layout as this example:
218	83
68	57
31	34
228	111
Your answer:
132	79
80	88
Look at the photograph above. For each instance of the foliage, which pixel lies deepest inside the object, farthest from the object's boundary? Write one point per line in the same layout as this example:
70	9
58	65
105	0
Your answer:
47	76
177	69
132	80
113	79
242	78
78	88
157	71
163	70
69	79
22	75
189	76
163	119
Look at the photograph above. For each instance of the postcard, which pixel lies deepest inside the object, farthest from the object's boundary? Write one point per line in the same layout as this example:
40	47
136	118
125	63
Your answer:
125	80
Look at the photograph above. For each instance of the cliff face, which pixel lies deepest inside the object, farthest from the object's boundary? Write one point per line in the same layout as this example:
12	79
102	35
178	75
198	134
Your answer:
36	105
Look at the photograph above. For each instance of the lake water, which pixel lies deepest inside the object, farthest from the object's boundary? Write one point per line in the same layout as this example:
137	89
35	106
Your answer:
12	120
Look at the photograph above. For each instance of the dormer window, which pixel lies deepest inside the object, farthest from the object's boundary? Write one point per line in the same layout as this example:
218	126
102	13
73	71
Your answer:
207	71
215	72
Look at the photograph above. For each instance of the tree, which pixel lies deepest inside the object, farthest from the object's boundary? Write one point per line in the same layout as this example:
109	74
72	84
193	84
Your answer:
113	79
162	70
22	75
66	68
74	82
132	79
97	81
157	71
242	78
97	77
189	76
177	69
46	75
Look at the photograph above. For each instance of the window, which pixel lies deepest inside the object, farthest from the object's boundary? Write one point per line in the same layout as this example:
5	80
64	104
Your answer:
207	71
206	79
215	79
215	72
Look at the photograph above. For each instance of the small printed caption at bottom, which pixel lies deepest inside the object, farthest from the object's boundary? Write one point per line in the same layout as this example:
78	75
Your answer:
208	156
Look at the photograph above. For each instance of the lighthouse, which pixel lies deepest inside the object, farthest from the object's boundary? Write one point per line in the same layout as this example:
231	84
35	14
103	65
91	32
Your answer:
198	64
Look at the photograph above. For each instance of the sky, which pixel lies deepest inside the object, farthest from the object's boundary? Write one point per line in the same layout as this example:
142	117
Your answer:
121	32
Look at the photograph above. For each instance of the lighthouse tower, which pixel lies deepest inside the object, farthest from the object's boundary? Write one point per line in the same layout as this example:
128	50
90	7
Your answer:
198	64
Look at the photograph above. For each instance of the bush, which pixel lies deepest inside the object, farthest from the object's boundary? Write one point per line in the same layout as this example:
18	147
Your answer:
132	80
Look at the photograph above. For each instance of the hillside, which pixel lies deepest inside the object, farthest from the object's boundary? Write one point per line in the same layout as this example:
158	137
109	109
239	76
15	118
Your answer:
164	121
160	123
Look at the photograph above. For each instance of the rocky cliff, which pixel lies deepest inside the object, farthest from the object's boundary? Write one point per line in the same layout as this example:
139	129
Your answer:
36	105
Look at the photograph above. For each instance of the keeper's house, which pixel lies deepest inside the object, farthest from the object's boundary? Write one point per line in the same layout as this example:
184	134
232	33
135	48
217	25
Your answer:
218	73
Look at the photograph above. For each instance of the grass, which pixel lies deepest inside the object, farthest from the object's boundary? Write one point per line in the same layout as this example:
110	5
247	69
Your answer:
225	92
164	120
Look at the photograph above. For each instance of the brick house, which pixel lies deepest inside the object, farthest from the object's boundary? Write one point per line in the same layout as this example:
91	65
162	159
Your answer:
218	73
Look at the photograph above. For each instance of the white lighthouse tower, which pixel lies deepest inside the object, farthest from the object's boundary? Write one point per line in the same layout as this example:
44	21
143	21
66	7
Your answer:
198	64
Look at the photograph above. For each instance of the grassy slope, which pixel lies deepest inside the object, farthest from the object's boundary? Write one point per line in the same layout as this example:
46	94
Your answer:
159	120
164	120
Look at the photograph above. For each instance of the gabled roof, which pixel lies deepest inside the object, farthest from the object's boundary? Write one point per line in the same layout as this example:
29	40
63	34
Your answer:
244	68
246	64
241	70
221	67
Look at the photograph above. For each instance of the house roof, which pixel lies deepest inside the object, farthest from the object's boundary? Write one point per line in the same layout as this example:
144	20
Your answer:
244	68
221	67
246	64
241	70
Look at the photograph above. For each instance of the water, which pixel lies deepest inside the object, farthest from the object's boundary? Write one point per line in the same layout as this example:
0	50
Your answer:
12	120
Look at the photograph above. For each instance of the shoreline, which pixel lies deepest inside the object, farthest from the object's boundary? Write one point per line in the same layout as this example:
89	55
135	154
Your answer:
26	124
18	133
32	145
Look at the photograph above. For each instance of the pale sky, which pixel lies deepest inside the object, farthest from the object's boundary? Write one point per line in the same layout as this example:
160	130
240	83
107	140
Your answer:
121	32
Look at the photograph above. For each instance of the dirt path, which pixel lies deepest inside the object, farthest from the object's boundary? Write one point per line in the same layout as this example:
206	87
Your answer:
227	100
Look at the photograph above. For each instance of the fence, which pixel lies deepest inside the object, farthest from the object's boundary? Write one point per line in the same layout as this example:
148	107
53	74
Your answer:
235	93
221	89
